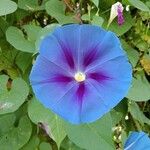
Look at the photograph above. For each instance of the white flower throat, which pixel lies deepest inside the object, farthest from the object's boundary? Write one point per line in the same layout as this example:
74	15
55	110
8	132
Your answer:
79	76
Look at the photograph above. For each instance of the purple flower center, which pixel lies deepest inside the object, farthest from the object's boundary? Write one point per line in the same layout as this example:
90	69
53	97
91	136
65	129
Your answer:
81	77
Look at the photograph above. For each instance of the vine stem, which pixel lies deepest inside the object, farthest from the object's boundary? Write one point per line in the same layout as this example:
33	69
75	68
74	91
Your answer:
68	5
75	10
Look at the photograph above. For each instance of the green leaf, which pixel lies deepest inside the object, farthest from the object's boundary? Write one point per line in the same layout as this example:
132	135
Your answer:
93	136
123	137
116	116
55	8
96	2
133	55
139	4
32	144
45	146
97	20
120	30
140	90
31	5
86	17
32	31
137	113
142	45
6	123
148	3
16	137
16	38
23	61
7	7
105	5
44	32
21	14
38	113
69	145
3	25
11	100
119	112
3	82
7	57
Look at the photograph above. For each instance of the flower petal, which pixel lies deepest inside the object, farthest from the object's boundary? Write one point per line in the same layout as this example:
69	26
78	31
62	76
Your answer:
81	104
93	106
114	82
98	46
49	81
137	141
110	48
68	107
81	41
61	47
90	39
74	48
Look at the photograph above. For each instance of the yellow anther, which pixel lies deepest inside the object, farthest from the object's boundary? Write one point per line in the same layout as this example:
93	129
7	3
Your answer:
79	76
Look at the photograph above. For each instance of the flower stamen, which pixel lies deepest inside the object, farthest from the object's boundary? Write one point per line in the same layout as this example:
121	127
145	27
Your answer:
79	77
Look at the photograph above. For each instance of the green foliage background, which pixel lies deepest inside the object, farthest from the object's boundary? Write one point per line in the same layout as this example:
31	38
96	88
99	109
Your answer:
24	123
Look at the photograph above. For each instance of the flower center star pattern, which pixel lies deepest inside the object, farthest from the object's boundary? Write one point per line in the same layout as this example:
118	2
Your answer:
81	72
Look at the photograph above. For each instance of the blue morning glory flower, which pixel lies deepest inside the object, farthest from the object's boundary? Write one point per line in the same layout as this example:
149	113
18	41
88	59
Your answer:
137	141
81	72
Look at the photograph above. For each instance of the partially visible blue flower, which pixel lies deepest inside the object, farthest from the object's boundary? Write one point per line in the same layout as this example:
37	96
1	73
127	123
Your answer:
137	141
81	72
